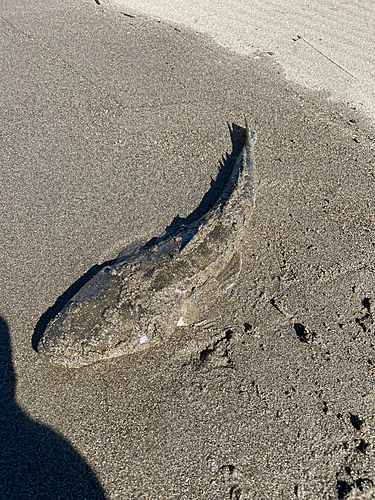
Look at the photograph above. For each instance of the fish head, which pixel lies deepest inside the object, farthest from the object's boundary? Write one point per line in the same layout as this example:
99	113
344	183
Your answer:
95	325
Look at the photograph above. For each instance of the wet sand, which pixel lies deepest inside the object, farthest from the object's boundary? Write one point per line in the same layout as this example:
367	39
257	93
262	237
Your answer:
112	127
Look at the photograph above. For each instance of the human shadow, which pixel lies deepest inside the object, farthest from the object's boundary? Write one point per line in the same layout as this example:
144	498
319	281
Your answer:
226	165
35	462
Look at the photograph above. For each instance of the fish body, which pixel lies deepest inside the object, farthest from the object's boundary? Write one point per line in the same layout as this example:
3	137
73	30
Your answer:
152	289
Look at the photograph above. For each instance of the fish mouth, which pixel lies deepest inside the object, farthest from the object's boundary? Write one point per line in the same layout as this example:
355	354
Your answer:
93	326
60	347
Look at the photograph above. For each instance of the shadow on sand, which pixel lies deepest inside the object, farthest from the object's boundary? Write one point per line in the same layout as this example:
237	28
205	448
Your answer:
237	135
36	463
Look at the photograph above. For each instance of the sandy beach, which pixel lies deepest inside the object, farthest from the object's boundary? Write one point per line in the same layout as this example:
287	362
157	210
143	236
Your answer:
324	46
116	119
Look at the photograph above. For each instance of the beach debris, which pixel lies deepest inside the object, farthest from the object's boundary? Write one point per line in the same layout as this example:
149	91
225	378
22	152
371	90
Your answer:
154	288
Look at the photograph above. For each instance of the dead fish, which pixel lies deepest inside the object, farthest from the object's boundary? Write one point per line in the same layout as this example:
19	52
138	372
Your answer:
152	289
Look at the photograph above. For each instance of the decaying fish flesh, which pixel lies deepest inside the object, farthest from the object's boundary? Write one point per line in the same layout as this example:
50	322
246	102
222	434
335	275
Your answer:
149	291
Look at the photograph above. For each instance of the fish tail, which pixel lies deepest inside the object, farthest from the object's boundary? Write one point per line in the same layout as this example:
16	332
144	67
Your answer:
251	135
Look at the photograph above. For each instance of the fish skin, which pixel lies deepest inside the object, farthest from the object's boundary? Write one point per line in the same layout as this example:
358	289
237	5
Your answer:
149	291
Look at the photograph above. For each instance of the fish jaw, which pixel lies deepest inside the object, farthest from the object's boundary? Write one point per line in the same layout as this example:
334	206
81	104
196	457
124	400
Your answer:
94	325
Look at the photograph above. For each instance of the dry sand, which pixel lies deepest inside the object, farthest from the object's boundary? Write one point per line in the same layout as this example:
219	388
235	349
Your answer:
326	45
112	126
